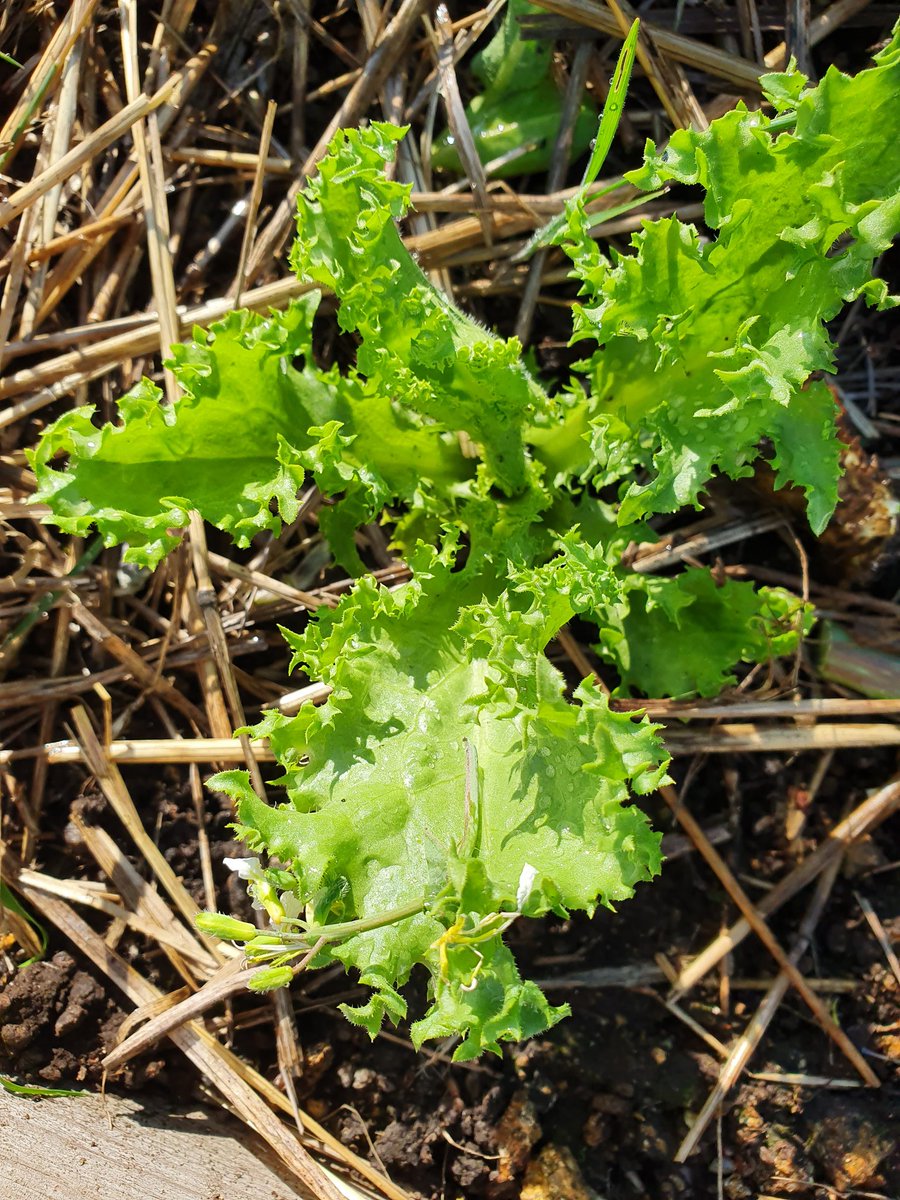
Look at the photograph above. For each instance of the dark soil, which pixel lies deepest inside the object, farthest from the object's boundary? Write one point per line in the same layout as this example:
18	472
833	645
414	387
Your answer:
599	1105
57	1022
603	1100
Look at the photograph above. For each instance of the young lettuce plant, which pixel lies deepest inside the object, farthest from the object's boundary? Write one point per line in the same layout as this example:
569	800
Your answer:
448	779
448	788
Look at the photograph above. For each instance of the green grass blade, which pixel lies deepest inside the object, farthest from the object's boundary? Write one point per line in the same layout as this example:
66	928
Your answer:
8	900
43	605
595	220
612	109
27	1089
29	114
609	123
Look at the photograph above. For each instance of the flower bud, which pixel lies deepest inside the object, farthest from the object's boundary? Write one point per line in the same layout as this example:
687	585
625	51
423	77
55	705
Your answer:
267	978
228	928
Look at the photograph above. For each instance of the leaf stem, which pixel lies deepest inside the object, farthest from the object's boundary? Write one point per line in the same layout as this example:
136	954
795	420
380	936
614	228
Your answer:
333	933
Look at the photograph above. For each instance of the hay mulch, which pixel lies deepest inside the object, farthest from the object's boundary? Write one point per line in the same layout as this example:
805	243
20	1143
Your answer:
150	156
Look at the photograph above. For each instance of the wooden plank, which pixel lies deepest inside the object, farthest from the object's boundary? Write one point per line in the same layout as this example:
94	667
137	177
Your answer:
79	1148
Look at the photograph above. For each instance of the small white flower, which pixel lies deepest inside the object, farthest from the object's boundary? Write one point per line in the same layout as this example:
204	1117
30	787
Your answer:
244	868
526	883
251	870
291	905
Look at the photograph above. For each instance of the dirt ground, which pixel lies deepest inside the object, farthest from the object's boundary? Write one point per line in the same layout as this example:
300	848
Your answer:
606	1096
598	1106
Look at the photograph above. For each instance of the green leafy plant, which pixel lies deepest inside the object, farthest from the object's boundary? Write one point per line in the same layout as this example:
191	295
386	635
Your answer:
449	788
463	785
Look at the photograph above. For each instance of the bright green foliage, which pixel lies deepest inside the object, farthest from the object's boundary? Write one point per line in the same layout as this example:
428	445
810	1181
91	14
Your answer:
708	346
681	636
256	415
448	788
384	811
519	104
417	346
